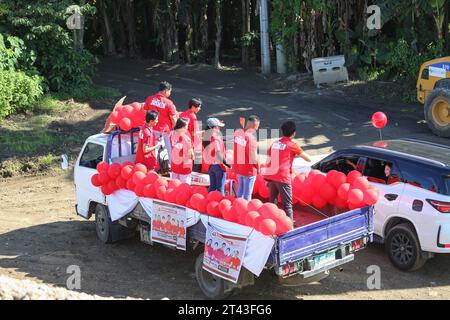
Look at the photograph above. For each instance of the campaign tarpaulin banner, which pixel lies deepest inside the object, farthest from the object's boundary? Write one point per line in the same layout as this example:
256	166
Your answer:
223	254
169	224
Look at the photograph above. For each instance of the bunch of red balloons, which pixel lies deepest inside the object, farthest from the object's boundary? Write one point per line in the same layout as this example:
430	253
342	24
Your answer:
128	116
350	191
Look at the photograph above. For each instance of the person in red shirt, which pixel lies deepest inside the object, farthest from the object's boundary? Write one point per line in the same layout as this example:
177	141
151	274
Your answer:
182	152
246	162
278	170
168	114
214	155
195	105
148	142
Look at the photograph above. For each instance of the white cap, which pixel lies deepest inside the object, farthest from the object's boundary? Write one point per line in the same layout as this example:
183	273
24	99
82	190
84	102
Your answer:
214	122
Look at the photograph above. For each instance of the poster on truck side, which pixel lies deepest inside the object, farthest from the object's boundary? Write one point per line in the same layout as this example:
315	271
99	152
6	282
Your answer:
169	224
224	254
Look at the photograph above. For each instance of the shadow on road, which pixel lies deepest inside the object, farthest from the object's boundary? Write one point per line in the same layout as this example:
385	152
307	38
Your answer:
131	268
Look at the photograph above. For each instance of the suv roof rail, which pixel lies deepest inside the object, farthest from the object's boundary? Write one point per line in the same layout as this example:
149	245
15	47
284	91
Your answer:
426	143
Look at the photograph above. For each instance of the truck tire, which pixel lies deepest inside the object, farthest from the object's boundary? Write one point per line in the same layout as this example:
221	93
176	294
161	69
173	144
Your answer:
108	231
212	286
403	248
437	112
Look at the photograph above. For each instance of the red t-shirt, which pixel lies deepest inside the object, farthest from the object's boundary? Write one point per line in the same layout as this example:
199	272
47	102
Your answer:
244	145
148	137
181	161
280	157
216	144
166	109
191	117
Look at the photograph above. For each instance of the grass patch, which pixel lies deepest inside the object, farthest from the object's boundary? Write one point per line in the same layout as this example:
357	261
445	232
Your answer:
93	93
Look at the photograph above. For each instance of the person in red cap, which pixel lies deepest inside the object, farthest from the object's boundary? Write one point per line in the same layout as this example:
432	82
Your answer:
182	152
214	155
168	114
246	162
148	142
194	107
278	170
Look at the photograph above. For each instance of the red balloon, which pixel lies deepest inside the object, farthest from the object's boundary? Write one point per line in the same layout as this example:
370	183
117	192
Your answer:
130	185
102	166
319	202
174	183
254	205
231	198
341	203
139	189
267	227
182	198
150	191
318	181
257	222
202	206
161	192
299	180
339	178
263	190
269	210
114	117
223	204
95	181
171	195
138	177
330	175
308	190
136	106
125	124
240	206
250	218
120	182
312	174
242	216
352	175
304	200
284	224
343	191
229	215
327	192
112	185
161	182
126	172
355	196
127	111
151	177
213	209
202	190
103	177
259	180
114	170
379	120
195	200
140	167
371	197
214	196
361	183
105	190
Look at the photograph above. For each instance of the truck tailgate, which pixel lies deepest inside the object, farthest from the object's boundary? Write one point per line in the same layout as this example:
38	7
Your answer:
325	234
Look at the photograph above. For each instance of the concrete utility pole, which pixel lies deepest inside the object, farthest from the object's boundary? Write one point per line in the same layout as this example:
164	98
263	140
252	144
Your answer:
264	23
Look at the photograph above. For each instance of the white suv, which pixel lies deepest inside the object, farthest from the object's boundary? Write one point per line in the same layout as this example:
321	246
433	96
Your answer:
412	216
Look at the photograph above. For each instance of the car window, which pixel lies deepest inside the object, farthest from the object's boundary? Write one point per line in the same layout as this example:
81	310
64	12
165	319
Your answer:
92	155
447	185
419	177
381	171
343	164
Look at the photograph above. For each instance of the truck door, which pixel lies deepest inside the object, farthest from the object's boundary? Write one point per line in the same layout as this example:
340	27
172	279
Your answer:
386	177
85	168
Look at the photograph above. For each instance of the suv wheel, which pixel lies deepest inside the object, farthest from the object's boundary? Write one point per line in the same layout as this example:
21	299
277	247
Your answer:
403	248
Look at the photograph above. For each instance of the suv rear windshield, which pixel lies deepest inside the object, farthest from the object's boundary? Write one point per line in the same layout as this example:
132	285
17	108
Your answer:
447	184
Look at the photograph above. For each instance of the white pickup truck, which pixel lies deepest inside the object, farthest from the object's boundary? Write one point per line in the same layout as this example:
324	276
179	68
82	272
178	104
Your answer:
302	255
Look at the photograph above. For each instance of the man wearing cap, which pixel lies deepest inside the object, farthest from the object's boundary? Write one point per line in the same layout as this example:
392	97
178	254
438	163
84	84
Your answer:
168	114
214	155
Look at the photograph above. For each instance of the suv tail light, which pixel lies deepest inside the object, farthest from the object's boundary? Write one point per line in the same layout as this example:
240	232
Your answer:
440	206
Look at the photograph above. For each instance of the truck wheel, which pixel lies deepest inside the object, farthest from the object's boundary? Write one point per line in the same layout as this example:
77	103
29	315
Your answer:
103	224
437	112
212	286
403	248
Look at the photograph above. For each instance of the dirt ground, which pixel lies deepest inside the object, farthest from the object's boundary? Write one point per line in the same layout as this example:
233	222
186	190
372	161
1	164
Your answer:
41	236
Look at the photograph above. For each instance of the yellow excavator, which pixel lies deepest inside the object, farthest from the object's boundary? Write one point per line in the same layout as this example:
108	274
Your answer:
433	90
